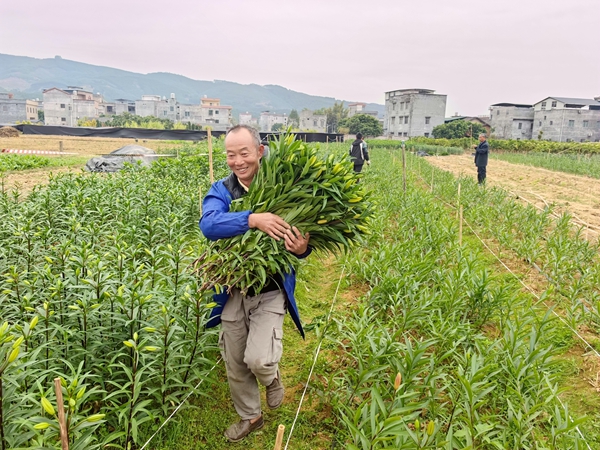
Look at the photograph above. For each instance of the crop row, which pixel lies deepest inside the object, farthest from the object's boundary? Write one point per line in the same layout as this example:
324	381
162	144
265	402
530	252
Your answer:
518	145
446	351
96	289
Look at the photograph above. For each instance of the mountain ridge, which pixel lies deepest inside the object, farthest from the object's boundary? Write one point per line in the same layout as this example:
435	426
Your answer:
27	77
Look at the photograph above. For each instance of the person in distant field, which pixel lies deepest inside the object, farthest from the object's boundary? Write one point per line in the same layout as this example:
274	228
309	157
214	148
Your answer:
251	325
359	153
481	158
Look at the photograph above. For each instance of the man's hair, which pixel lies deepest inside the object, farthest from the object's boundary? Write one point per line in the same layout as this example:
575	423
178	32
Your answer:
253	132
358	135
482	134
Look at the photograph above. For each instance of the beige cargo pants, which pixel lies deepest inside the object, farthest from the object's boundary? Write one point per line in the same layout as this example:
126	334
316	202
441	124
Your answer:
251	345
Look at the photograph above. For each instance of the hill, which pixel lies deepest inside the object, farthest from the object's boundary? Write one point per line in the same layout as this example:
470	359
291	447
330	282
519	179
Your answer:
27	77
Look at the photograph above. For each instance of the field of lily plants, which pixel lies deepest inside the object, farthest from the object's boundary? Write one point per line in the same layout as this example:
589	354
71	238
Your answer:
478	327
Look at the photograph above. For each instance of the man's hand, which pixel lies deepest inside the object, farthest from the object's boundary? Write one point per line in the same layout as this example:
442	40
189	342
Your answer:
270	223
369	162
295	242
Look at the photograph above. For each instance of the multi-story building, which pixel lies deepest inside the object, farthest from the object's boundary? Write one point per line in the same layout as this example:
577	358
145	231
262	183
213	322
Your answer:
67	106
413	112
564	119
312	122
13	110
268	119
511	121
560	119
119	106
359	108
247	119
209	112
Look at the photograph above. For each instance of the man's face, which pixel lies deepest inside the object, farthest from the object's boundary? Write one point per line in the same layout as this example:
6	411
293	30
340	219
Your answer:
243	155
481	138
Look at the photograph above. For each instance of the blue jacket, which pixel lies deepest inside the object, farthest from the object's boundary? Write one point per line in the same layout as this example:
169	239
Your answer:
218	223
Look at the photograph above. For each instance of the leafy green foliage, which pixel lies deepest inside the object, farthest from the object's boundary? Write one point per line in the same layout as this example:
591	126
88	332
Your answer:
363	123
457	129
320	196
9	161
335	114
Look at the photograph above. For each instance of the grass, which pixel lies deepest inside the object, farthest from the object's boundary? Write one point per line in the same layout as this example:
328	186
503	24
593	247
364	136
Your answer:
202	427
587	165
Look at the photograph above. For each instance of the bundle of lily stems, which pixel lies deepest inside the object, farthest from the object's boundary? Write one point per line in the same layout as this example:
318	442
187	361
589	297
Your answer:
318	195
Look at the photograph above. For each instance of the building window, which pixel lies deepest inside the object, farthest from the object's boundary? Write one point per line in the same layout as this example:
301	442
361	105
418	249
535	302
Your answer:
217	121
497	112
216	111
598	124
210	112
554	104
427	120
540	123
187	114
402	105
62	105
405	134
393	120
532	125
164	113
405	119
171	108
586	124
551	122
520	125
391	133
426	134
544	117
63	119
571	123
543	105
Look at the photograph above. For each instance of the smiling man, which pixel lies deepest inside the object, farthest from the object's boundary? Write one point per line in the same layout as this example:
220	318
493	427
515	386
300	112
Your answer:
252	325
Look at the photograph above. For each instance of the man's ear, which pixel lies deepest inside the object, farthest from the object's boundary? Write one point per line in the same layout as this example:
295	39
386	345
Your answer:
261	150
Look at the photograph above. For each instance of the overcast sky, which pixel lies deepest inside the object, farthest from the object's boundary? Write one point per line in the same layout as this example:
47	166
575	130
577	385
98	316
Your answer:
476	52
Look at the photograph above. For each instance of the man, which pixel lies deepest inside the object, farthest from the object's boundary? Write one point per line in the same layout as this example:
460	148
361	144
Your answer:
481	158
252	325
359	153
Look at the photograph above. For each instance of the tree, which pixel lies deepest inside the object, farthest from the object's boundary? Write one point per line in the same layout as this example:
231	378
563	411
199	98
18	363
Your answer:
363	123
294	118
334	114
41	115
277	127
458	129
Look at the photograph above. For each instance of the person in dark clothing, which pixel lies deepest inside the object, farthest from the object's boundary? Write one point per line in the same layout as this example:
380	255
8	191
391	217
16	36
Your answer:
359	153
481	158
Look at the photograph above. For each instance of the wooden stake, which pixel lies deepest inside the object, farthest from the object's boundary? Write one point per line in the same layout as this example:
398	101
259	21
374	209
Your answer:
432	174
60	146
460	220
458	196
60	407
210	157
279	439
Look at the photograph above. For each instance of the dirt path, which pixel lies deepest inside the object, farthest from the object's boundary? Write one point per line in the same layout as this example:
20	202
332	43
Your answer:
576	194
25	180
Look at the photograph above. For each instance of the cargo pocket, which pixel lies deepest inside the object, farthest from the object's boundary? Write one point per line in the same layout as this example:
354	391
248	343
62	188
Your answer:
276	346
222	346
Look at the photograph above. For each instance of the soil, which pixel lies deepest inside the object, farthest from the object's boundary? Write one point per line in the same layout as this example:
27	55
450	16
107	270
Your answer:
578	195
81	146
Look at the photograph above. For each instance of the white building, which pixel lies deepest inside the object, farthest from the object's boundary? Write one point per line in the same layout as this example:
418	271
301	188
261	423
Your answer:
312	122
66	106
268	119
413	112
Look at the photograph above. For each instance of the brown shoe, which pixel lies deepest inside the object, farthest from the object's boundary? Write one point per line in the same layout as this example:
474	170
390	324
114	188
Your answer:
243	428
275	392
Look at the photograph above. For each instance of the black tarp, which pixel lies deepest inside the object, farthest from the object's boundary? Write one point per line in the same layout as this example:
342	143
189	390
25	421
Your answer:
167	135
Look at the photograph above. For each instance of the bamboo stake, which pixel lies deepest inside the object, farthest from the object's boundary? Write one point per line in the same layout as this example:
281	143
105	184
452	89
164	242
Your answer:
60	407
432	174
279	439
460	221
60	146
210	157
458	196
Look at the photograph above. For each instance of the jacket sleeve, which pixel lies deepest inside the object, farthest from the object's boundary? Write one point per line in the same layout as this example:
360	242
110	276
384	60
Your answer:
483	148
216	221
365	151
